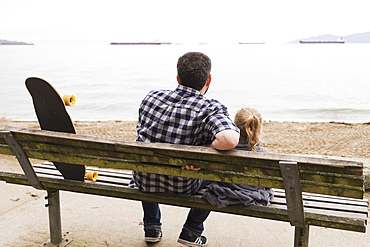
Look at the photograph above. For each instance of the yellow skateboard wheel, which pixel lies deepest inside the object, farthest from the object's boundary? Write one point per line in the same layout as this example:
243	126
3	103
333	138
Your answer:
69	100
93	176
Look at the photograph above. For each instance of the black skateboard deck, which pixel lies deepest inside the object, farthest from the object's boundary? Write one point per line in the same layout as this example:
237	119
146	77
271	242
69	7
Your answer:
52	115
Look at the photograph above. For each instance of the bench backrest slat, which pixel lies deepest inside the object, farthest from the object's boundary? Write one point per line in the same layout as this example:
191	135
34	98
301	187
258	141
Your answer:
318	175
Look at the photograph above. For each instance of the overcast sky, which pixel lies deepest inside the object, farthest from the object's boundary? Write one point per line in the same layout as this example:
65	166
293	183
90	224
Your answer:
272	21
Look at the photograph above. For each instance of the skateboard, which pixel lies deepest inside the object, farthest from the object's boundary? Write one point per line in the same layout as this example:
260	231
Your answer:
52	115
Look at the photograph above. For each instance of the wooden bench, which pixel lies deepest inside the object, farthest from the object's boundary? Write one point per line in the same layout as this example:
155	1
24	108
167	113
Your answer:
308	191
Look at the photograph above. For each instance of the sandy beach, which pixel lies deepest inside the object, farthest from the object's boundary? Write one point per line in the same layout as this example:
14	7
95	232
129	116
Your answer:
320	138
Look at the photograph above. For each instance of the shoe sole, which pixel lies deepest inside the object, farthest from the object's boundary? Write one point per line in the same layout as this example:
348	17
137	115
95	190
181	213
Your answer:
192	244
152	240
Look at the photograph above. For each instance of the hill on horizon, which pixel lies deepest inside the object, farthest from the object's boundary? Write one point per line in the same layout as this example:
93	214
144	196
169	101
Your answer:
9	42
353	38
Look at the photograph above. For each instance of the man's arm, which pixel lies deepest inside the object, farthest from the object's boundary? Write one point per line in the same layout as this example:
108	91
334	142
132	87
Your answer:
225	140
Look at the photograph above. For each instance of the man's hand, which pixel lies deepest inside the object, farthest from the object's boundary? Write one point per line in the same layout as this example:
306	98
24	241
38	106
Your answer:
224	140
190	167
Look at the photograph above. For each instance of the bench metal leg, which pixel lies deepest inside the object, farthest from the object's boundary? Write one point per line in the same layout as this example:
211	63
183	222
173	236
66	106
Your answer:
301	236
55	223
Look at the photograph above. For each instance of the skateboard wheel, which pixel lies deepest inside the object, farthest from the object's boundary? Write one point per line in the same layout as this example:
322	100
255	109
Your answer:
93	176
69	100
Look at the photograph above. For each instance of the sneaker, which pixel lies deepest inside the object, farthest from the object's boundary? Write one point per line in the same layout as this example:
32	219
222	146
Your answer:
189	239
153	236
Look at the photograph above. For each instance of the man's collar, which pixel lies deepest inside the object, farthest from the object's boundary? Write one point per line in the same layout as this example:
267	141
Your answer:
187	89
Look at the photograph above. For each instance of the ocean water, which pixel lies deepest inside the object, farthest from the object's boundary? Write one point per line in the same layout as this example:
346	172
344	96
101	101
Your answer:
287	82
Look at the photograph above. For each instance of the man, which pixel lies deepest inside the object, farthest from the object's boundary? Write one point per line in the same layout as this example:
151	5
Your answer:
182	116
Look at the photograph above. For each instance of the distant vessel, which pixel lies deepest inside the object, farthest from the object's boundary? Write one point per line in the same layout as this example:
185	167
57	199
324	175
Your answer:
252	43
338	41
320	42
140	43
7	42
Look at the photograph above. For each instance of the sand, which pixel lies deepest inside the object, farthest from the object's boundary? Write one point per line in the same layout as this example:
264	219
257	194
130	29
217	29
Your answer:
329	139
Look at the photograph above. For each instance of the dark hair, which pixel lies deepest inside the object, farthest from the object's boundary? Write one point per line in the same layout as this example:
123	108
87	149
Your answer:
193	69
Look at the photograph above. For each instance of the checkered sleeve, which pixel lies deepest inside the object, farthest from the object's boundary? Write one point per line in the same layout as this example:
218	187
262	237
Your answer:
219	120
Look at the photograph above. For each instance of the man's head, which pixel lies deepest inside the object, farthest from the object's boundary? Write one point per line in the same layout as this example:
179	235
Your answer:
193	70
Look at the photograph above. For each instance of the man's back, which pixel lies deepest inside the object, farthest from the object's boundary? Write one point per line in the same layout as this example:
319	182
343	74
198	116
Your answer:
182	116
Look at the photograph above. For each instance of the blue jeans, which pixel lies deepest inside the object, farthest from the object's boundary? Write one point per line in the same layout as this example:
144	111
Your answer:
193	223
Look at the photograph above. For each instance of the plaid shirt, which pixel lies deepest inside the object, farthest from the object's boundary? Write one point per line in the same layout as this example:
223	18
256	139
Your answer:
183	116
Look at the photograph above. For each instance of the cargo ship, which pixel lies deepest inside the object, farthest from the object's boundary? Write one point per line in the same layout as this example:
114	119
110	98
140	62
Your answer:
320	42
252	43
338	41
140	43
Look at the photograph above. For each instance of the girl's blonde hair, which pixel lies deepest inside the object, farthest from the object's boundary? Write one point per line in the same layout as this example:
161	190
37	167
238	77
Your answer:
249	121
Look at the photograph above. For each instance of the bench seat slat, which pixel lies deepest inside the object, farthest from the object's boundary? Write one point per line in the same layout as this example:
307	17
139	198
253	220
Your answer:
309	200
320	217
320	197
274	213
324	205
278	192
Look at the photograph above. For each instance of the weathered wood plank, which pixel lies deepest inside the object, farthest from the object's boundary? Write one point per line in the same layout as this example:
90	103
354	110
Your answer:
4	149
175	151
326	176
328	198
330	205
251	179
69	157
245	162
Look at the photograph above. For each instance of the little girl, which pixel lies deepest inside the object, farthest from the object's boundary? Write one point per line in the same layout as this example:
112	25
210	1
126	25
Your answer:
249	121
222	194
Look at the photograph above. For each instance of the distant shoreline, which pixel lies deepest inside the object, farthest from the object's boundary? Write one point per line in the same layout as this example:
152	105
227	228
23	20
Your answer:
8	42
